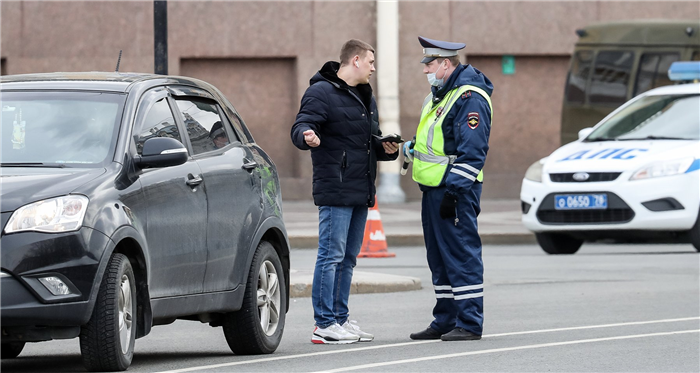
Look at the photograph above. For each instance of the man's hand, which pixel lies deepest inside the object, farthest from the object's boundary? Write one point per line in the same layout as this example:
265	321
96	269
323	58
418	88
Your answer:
311	139
448	207
390	147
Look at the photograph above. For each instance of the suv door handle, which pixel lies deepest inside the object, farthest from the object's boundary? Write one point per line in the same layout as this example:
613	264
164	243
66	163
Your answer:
249	165
193	181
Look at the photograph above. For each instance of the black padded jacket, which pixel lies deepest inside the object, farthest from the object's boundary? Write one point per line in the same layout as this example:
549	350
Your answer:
345	164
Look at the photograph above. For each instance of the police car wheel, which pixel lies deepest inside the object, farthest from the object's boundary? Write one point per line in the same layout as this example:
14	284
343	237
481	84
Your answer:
557	243
695	233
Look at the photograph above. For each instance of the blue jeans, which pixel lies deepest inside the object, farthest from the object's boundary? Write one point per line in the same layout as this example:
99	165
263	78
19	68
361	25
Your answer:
340	233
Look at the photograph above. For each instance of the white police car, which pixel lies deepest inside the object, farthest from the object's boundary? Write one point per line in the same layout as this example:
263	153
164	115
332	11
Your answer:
634	176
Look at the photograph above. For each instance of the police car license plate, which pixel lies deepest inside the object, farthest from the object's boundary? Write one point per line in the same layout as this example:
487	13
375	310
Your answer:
580	201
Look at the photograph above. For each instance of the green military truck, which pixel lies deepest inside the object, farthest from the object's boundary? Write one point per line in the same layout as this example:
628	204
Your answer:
615	61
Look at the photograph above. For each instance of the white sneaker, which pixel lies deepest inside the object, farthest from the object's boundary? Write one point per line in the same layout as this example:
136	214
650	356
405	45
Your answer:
353	328
334	334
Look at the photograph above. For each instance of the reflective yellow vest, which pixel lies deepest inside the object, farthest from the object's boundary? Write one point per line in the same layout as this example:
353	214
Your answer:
430	161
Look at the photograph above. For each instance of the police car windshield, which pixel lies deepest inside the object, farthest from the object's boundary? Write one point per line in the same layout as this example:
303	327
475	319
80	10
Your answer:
59	129
667	117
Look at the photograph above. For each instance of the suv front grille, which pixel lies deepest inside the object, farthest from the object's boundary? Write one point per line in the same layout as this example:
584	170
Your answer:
568	177
617	212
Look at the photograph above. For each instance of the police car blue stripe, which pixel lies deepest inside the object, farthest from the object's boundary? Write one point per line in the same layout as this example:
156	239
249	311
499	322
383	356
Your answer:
694	166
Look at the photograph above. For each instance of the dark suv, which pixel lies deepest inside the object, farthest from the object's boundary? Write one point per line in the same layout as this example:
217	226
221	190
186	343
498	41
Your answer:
133	200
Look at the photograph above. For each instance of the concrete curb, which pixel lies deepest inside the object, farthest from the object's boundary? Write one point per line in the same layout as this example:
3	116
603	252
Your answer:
362	283
311	242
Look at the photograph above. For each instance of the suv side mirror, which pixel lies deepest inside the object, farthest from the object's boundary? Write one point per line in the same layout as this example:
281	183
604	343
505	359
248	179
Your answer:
161	152
584	132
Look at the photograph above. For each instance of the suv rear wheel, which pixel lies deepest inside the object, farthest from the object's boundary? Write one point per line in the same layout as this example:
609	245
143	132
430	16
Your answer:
257	327
107	340
11	350
556	243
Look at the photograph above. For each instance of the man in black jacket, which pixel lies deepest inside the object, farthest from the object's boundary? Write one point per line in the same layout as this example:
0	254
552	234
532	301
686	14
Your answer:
337	121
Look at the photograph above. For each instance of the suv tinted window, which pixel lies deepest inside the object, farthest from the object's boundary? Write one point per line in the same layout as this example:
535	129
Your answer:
580	69
204	125
611	75
159	122
653	71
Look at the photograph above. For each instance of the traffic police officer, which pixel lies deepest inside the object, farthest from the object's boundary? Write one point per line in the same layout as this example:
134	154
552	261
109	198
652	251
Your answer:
448	155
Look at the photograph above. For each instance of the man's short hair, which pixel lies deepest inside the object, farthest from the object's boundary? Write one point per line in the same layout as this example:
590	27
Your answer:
454	60
352	48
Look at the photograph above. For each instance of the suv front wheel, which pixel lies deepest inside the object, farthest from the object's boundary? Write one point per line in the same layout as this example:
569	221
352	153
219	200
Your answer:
107	340
257	327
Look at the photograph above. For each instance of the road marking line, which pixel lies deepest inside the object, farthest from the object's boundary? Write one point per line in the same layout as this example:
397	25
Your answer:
413	343
527	347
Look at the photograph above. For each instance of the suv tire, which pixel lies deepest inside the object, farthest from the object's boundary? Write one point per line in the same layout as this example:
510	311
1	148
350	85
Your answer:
107	340
257	327
556	243
11	350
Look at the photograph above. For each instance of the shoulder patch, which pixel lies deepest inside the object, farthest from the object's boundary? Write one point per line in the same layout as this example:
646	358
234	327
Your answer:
467	94
473	120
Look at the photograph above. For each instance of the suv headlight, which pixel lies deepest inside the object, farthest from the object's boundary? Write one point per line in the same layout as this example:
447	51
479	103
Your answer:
659	169
534	172
60	214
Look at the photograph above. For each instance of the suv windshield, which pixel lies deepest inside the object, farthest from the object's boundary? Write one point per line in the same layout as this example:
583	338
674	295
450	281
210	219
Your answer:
670	117
59	129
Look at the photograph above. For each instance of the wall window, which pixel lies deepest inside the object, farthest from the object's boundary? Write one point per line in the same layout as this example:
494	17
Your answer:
578	76
159	122
204	125
611	75
653	71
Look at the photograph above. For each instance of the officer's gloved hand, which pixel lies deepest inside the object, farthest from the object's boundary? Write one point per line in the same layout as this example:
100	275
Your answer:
408	151
448	207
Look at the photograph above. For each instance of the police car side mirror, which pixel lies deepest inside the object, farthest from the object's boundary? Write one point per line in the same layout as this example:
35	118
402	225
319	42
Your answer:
584	132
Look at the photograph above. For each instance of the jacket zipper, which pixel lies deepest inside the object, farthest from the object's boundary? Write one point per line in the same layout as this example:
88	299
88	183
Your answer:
343	164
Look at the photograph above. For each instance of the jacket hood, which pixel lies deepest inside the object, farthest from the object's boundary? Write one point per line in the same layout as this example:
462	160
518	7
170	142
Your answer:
329	73
464	75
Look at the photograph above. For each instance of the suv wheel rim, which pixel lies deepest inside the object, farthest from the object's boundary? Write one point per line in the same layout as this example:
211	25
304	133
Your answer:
125	313
268	298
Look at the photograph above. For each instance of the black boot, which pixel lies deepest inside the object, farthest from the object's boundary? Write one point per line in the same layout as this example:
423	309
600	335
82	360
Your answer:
459	334
429	333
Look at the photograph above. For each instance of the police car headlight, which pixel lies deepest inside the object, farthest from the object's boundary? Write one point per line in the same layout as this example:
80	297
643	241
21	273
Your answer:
534	172
60	214
659	169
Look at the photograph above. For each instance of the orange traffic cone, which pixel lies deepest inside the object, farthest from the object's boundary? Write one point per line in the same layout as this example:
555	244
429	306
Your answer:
374	242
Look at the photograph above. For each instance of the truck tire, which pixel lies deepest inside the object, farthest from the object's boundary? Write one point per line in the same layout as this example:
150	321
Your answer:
107	340
11	350
258	326
557	243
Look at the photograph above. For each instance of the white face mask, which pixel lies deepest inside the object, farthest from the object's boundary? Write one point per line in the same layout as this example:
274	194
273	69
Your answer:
433	80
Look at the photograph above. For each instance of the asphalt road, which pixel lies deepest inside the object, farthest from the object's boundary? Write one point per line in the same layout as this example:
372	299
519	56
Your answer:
608	308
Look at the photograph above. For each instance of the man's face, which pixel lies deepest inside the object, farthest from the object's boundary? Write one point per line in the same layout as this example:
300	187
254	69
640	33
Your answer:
433	66
220	141
366	67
